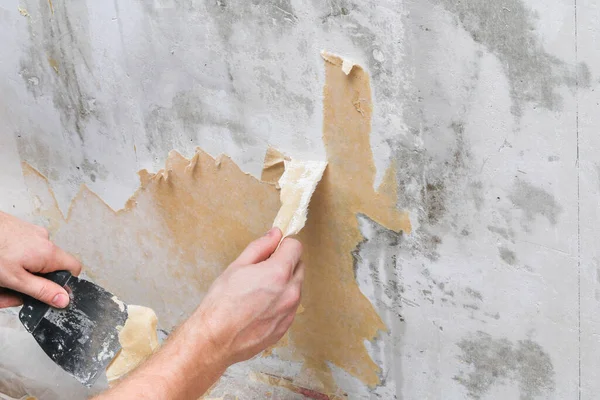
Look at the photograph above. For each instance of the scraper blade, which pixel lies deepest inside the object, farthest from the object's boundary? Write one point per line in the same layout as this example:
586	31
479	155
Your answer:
82	338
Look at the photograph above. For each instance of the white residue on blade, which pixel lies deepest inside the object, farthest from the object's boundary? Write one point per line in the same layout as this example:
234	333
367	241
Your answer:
119	302
105	354
60	319
72	321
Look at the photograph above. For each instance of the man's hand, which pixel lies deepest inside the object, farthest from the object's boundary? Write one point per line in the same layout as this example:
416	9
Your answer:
247	309
25	250
253	303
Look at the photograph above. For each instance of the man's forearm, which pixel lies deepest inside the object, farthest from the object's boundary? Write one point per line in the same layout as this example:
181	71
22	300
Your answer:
184	368
246	309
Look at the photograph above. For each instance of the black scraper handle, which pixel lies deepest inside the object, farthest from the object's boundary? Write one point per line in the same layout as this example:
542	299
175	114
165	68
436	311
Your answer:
34	310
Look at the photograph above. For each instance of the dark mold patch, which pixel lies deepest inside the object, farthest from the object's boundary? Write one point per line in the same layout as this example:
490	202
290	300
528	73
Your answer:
500	361
434	201
506	234
192	113
474	294
59	61
476	192
429	183
352	19
508	256
495	316
380	243
506	29
191	110
442	182
271	87
584	75
534	201
162	130
378	268
177	126
337	9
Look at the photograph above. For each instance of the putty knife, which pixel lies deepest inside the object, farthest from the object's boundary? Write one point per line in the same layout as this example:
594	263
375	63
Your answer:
82	338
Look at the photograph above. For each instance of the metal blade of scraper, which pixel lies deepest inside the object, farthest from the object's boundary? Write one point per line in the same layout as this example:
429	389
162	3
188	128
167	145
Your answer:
82	338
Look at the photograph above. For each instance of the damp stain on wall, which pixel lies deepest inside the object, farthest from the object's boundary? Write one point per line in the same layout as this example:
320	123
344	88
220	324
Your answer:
188	221
507	29
490	361
534	201
507	255
59	59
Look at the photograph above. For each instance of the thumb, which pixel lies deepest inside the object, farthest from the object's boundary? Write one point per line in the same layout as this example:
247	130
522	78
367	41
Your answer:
43	290
260	249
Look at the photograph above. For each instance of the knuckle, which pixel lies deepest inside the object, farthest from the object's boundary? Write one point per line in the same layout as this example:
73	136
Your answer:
278	277
292	298
290	264
295	295
42	232
46	249
43	292
281	275
295	245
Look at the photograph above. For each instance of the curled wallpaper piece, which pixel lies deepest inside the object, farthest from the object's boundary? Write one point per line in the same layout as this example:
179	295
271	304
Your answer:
298	183
347	66
138	340
345	63
273	166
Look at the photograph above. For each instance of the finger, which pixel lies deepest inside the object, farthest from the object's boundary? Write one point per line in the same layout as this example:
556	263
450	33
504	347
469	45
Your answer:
61	260
42	289
48	257
287	256
9	300
260	249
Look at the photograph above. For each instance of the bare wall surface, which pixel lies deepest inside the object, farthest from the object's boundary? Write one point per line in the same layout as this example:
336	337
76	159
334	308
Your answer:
488	110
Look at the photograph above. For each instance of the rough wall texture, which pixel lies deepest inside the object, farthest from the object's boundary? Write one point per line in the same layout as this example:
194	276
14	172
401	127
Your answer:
489	111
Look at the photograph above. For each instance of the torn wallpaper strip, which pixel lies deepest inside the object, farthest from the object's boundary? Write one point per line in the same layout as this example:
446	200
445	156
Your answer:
298	183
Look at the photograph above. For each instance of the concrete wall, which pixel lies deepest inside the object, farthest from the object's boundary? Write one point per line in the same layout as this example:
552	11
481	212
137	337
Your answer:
488	108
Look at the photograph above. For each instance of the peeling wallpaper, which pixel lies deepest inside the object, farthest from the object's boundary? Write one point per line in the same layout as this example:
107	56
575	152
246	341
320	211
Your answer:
483	129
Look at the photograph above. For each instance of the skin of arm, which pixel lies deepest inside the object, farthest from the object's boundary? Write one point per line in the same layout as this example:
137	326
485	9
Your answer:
184	368
25	250
247	309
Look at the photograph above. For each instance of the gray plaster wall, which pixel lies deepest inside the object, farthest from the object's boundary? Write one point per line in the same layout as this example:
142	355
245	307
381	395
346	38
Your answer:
490	109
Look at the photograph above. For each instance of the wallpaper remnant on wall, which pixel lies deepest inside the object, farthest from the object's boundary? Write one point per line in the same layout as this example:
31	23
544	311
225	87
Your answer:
188	221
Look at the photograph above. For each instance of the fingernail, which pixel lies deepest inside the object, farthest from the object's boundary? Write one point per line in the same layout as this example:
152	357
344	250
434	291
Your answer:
60	300
271	232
